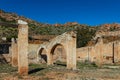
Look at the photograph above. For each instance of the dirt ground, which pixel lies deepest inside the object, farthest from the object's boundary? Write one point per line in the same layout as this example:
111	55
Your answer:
58	72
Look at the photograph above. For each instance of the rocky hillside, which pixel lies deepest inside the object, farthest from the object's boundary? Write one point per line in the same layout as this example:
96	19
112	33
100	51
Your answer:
85	33
13	17
110	27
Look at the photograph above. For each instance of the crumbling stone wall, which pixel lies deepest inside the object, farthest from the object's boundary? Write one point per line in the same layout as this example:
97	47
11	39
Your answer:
106	54
89	53
14	51
110	33
82	54
32	50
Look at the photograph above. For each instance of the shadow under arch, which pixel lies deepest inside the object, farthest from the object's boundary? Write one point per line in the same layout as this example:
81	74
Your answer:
42	56
58	54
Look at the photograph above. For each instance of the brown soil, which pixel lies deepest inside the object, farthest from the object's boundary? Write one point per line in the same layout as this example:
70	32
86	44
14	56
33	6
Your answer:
59	74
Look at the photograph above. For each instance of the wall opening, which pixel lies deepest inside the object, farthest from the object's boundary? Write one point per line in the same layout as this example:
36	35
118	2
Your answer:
42	56
58	55
113	60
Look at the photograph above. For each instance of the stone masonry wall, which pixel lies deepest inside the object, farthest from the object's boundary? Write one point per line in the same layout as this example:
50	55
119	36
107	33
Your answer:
110	53
32	52
84	53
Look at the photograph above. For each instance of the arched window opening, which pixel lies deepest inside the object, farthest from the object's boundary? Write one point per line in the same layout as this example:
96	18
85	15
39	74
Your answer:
42	56
58	55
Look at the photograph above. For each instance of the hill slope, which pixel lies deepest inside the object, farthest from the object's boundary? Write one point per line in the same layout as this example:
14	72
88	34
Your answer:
84	32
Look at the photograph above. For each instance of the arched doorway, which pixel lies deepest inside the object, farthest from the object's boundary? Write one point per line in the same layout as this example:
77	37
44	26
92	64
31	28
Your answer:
58	55
42	56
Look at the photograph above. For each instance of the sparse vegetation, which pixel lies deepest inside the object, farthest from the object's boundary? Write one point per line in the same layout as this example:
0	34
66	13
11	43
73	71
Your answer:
7	68
86	65
87	71
84	32
8	32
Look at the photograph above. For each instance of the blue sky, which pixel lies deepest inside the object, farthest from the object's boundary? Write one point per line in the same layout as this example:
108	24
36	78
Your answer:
91	12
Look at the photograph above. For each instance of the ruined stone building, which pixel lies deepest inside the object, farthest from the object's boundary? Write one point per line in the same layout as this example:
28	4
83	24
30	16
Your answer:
21	50
62	48
101	52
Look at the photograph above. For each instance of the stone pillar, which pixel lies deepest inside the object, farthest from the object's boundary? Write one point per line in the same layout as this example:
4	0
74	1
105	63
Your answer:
49	58
92	54
117	52
99	51
70	47
14	53
73	54
22	48
10	54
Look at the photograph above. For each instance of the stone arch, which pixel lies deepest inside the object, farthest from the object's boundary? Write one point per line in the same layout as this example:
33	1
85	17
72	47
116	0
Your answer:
58	53
42	55
68	41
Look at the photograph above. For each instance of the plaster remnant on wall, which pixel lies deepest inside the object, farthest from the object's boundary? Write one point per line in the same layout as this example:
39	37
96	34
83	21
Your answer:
22	22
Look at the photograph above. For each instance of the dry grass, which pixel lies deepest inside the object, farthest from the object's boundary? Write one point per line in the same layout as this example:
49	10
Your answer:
86	71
